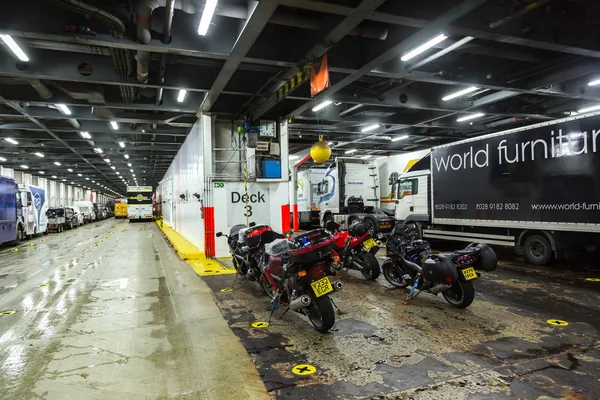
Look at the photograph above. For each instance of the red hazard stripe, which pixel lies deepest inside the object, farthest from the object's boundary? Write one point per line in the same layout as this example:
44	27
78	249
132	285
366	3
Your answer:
296	222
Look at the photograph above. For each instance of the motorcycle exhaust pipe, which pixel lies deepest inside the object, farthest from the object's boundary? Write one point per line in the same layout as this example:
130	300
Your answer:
357	266
300	302
337	285
379	243
440	287
250	273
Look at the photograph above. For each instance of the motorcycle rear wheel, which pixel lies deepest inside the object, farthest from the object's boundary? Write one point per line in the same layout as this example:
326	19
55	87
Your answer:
320	313
267	287
370	266
394	274
461	294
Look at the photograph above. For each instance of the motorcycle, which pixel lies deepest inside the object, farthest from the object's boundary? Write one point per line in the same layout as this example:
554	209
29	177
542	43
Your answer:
296	274
246	246
355	248
411	263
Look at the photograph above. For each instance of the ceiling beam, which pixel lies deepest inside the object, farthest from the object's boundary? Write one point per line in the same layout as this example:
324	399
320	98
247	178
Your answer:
425	34
336	34
259	15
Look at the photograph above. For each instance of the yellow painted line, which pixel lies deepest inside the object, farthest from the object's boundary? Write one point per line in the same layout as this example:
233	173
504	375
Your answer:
3	313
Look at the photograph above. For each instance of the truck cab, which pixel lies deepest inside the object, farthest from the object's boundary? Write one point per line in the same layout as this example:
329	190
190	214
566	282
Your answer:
413	203
348	192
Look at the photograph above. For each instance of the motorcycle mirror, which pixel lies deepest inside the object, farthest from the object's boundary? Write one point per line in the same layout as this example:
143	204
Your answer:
251	224
332	225
219	234
288	234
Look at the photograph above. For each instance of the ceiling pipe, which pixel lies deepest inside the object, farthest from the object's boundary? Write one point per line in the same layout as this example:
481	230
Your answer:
144	11
166	38
501	122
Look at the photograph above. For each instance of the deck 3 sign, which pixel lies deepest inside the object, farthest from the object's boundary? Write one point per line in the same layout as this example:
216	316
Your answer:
543	174
258	207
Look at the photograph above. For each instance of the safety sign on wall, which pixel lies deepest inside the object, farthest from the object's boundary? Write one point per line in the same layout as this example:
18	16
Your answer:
257	206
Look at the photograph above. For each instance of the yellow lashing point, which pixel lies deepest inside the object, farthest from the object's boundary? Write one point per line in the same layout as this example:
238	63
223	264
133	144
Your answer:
189	253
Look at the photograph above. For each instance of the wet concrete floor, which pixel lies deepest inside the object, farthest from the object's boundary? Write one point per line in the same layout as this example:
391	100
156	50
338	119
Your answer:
108	311
501	347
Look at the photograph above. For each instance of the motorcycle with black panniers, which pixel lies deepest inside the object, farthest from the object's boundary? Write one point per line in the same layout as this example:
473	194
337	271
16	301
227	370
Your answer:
411	263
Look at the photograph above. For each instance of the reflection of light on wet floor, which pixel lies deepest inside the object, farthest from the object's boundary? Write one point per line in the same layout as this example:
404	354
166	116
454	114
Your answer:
44	326
27	303
72	294
14	364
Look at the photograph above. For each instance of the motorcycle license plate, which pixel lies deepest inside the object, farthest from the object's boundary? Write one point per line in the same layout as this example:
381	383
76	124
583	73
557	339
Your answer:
469	273
369	243
322	287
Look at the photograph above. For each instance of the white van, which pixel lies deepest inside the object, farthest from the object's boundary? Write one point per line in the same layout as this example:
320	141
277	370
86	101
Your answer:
34	207
86	209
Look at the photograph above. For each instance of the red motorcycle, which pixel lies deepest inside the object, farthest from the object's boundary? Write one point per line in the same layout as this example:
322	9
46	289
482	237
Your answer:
295	274
355	249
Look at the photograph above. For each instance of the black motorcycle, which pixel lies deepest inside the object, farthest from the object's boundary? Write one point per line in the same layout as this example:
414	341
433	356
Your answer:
411	263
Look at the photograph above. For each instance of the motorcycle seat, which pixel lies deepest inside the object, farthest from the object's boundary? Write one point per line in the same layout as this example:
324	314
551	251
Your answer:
464	252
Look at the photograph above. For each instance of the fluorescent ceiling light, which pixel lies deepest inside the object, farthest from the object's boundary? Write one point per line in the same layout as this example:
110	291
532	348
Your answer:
126	156
588	109
122	144
40	155
400	138
85	135
87	179
460	93
594	82
72	183
350	151
207	14
365	157
113	167
117	172
114	125
132	170
93	181
322	105
370	128
425	46
11	140
98	150
181	95
14	47
129	164
24	167
107	160
2	159
64	180
64	109
469	117
79	175
41	172
69	169
56	163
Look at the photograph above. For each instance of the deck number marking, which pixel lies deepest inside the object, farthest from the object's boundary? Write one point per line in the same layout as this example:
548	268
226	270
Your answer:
557	322
304	369
260	324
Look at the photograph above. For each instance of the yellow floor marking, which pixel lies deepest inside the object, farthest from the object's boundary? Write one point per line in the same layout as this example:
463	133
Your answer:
3	313
557	322
304	369
260	324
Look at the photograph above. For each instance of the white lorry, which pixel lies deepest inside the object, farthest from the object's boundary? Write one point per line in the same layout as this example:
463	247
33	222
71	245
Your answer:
390	168
535	188
86	209
350	191
139	203
34	207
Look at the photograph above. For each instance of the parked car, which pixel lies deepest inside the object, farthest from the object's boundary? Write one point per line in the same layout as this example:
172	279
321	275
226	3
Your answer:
78	216
87	209
60	218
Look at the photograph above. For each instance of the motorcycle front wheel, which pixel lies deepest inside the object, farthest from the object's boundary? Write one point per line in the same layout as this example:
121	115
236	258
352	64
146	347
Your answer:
267	287
461	294
320	313
394	274
370	266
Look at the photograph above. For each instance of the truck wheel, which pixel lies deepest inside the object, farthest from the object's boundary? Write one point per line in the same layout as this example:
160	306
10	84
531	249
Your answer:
19	236
538	250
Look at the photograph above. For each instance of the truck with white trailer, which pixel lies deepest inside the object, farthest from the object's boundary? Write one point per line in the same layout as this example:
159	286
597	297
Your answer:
534	188
139	203
33	204
390	168
350	191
